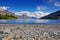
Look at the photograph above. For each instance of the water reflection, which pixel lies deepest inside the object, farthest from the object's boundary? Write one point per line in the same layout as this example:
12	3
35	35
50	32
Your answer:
30	21
3	20
42	21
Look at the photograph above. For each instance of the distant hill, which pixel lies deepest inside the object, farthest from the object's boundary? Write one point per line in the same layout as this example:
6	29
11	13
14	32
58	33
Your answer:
7	15
55	15
23	16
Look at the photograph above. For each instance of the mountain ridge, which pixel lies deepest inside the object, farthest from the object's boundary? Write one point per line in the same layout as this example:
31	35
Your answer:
54	15
7	15
26	17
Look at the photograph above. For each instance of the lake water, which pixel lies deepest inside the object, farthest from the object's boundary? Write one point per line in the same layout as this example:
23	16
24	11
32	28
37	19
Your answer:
30	21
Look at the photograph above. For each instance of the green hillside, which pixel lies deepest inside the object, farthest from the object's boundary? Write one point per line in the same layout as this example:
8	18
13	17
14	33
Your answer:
7	17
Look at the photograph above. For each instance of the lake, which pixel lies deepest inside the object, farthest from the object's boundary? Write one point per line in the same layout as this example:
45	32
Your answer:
30	21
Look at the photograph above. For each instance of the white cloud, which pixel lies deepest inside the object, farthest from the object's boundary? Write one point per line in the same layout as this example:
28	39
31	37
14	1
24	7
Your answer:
38	8
2	8
57	4
37	14
22	12
25	13
41	8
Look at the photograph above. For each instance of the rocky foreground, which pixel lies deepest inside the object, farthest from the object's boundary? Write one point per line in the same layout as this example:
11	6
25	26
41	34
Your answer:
29	32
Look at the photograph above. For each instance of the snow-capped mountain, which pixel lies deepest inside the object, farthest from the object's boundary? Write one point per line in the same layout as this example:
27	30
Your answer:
34	15
23	16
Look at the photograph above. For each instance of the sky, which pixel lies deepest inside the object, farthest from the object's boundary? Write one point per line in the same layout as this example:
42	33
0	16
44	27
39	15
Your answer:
45	6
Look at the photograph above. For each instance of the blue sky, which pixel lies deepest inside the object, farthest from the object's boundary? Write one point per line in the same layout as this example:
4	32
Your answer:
31	5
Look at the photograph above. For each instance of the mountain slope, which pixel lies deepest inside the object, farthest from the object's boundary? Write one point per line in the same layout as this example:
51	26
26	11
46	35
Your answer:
7	15
55	15
26	17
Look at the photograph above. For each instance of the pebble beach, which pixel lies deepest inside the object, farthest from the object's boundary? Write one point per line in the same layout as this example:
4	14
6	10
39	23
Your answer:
29	32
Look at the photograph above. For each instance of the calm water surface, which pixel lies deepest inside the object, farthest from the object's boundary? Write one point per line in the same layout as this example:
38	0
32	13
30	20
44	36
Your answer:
30	21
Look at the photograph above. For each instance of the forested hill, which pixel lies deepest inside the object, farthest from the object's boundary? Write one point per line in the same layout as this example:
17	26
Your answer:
54	15
7	15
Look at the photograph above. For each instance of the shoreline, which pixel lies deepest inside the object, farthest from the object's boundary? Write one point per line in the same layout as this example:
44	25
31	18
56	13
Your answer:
31	25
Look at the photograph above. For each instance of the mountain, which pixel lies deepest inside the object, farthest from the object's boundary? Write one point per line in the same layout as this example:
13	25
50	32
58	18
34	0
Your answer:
24	16
7	15
54	15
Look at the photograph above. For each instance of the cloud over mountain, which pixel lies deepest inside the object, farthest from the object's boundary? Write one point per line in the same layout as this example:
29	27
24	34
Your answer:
22	12
37	14
2	8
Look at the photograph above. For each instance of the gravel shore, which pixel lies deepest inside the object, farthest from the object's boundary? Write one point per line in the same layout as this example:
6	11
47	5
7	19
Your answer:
29	32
